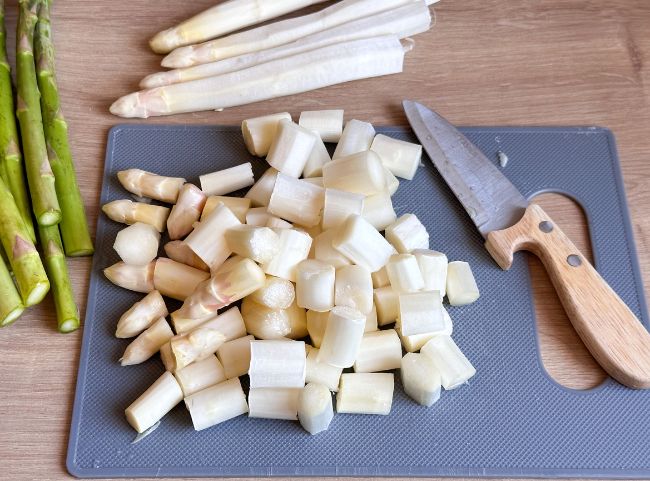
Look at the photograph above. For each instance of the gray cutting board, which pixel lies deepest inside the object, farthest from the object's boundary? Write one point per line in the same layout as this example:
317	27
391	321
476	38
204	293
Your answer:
511	420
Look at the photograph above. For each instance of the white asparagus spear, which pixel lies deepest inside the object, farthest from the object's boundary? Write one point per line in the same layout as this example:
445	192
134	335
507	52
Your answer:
400	157
407	234
277	363
316	323
296	200
365	393
421	312
195	345
134	278
356	137
420	379
379	351
260	193
331	65
360	242
146	184
147	343
208	240
237	205
315	285
328	124
415	342
200	375
129	212
235	356
339	205
176	280
405	21
318	157
258	243
378	210
264	322
141	315
228	180
324	250
404	273
221	19
433	267
217	404
290	148
342	337
321	372
137	244
276	293
274	403
294	248
297	321
179	251
360	172
461	285
454	368
185	212
154	403
387	304
315	410
353	288
230	323
258	132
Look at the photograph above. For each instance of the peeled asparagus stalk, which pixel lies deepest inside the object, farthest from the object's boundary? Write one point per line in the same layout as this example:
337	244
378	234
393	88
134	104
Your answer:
380	278
378	210
200	375
294	248
297	322
179	251
146	184
404	273
433	266
129	212
230	323
415	342
137	244
317	159
379	351
421	312
339	205
407	234
372	324
315	285
387	302
328	124
134	278
260	193
321	372
216	404
296	200
147	343
276	293
277	223
154	403
221	19
331	65
167	357
227	180
176	280
141	315
324	250
360	242
356	137
258	243
208	240
461	285
238	206
290	149
264	322
258	216
277	363
316	323
420	379
360	172
353	288
365	393
392	183
342	337
454	368
315	410
235	356
185	212
400	157
258	132
274	403
195	345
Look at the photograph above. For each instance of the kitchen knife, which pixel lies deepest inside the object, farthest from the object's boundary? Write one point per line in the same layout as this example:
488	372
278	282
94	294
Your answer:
609	329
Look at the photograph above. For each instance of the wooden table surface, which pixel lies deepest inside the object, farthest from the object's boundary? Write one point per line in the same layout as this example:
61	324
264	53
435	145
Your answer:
486	62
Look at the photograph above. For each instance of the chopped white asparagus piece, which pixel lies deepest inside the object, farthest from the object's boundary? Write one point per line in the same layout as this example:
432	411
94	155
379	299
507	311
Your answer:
321	372
129	212
379	351
380	278
264	322
387	304
258	243
315	285
176	280
200	375
315	410
324	250
147	343
316	323
361	173
416	341
353	288
141	315
392	183
134	278
356	137
461	285
238	206
260	193
365	393
277	223
371	321
404	273
185	212
433	267
342	337
228	264
228	180
314	180
328	124
277	363
137	244
274	403
318	157
290	149
153	186
454	368
195	345
235	356
294	248
407	234
400	157
421	312
208	240
154	403
297	321
258	216
217	404
296	200
167	357
179	251
259	132
360	242
230	323
276	293
420	379
378	210
339	205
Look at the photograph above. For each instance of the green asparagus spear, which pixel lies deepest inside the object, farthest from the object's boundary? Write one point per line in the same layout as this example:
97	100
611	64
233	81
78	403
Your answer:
74	227
39	173
11	162
23	257
11	307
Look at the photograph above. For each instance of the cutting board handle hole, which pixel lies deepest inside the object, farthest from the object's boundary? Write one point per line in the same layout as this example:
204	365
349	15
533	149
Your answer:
563	354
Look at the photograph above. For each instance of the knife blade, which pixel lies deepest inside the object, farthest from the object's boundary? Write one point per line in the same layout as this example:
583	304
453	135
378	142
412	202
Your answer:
509	223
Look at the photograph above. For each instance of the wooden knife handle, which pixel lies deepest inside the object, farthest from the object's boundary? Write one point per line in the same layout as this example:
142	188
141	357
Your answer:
609	329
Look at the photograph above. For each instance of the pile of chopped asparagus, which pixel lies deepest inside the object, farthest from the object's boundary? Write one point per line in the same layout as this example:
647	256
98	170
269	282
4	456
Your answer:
322	289
349	40
51	193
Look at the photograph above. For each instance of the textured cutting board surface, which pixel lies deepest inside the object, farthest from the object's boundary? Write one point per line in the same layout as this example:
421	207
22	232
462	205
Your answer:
511	420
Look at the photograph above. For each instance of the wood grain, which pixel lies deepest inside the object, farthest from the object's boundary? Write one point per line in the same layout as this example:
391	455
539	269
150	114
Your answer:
487	62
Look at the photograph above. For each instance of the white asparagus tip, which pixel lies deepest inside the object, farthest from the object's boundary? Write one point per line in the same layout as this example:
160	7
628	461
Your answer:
179	58
163	42
160	79
140	104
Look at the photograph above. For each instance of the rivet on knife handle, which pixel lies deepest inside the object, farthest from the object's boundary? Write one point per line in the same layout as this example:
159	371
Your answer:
609	329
